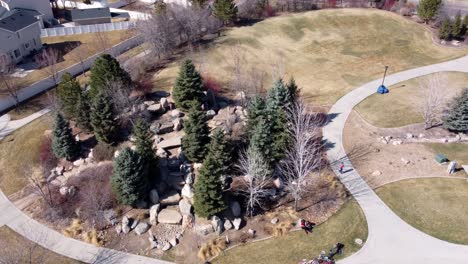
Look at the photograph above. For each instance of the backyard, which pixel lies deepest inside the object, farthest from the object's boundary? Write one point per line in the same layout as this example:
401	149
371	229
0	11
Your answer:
435	206
329	52
345	226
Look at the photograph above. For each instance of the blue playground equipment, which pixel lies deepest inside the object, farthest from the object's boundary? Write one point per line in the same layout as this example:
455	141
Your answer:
382	89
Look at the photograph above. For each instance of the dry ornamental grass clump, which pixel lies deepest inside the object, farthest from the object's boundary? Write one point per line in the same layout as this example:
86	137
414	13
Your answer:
211	249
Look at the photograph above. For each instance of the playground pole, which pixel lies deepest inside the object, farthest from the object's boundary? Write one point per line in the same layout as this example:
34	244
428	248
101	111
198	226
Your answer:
385	74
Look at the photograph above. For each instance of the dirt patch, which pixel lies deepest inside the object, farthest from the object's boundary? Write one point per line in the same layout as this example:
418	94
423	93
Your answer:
381	163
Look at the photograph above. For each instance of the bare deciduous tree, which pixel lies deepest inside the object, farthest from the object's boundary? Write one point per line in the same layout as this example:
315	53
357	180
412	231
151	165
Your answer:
304	154
79	56
159	32
9	83
102	41
38	179
432	93
257	176
48	59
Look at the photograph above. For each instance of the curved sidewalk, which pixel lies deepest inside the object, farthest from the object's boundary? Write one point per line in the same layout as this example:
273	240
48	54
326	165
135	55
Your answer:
390	239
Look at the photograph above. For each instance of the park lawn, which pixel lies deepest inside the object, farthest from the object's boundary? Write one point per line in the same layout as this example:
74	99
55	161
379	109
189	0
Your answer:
436	206
400	107
329	52
69	46
454	151
19	150
345	226
19	246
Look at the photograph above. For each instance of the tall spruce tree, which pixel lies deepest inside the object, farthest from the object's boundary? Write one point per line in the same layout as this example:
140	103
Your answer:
196	139
278	96
144	146
106	68
68	92
129	178
428	9
221	149
445	30
102	119
188	86
263	139
208	193
456	119
278	100
293	89
225	10
82	115
255	111
457	27
63	142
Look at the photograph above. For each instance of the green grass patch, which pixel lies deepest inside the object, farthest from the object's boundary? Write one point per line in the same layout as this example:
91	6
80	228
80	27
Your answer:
18	150
401	107
345	226
454	151
435	206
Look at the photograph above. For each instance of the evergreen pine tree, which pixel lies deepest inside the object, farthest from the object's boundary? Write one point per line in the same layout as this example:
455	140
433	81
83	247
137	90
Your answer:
220	148
280	134
106	68
208	193
102	119
278	96
255	110
82	115
196	139
465	25
188	86
63	142
68	91
293	89
456	119
262	139
144	146
129	178
457	27
225	10
427	9
445	30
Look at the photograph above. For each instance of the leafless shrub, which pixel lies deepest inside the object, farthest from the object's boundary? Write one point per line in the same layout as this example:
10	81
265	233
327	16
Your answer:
432	93
257	177
49	59
304	155
9	83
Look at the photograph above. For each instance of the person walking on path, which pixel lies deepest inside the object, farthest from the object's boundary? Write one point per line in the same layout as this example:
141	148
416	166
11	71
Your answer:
341	167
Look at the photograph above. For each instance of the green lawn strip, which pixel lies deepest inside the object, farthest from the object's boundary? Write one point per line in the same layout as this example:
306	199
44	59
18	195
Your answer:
435	206
19	150
454	151
400	106
345	226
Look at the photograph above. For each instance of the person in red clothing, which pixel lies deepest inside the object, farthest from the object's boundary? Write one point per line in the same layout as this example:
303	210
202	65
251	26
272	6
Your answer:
306	226
341	167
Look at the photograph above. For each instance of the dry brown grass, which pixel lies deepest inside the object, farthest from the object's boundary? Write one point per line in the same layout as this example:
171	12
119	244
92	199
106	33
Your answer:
75	229
18	149
329	52
211	249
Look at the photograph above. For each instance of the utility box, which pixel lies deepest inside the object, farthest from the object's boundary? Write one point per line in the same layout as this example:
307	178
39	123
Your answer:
441	158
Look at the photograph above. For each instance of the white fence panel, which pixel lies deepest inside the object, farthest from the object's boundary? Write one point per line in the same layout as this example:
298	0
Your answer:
66	31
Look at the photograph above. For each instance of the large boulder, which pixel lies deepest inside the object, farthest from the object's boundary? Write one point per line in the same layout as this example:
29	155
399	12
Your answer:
153	212
217	224
227	224
237	223
204	229
165	128
187	191
155	108
176	113
174	142
185	207
154	196
235	208
178	124
171	198
141	228
164	103
169	216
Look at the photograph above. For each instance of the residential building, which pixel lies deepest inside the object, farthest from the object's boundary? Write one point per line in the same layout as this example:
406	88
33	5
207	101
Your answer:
89	16
43	8
20	34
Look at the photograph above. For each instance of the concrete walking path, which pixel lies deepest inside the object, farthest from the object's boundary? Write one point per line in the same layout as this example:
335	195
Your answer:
7	126
390	239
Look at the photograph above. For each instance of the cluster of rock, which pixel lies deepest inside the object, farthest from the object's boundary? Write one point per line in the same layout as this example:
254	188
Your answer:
421	138
230	118
219	225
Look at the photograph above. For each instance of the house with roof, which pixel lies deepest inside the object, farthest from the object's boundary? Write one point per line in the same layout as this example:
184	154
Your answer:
20	35
89	16
40	9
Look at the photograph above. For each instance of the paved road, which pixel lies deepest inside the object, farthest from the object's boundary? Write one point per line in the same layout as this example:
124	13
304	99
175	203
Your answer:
58	243
390	240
